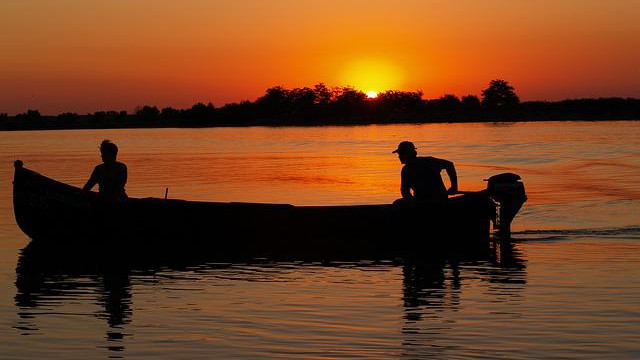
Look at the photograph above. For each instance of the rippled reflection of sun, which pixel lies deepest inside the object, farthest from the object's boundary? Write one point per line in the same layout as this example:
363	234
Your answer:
372	94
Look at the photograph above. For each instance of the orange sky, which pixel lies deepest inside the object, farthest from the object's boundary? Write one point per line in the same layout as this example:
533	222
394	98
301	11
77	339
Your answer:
83	56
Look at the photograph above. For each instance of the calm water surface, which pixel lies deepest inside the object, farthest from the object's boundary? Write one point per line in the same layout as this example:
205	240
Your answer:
567	287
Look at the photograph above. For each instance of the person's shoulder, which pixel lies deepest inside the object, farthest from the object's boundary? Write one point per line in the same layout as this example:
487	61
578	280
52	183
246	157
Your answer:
97	172
427	159
433	159
121	165
430	161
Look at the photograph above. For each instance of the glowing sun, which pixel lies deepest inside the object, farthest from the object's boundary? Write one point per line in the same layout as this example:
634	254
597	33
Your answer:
373	76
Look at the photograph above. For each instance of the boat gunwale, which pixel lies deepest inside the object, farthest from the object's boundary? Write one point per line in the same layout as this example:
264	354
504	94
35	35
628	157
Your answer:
93	196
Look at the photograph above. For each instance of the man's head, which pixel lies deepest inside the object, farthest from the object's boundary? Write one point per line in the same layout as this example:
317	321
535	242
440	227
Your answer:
108	150
406	151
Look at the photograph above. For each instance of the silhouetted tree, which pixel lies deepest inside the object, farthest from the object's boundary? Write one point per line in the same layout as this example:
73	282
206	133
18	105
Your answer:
148	113
274	102
401	97
98	115
323	95
399	101
302	101
470	102
201	112
349	101
583	109
103	118
349	96
29	115
68	117
238	114
448	102
499	94
169	113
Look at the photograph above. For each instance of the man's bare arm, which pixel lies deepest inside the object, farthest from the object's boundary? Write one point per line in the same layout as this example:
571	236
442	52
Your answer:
91	182
453	177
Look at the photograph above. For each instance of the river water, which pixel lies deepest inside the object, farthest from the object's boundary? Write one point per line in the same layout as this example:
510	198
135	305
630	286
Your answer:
567	286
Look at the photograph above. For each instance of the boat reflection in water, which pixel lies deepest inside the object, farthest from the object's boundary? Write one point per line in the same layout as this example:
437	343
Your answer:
433	288
51	278
47	278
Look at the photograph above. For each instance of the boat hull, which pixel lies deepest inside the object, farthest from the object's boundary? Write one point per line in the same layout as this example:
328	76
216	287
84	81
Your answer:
50	211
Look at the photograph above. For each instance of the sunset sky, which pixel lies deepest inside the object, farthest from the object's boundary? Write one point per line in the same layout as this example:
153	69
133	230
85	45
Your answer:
83	56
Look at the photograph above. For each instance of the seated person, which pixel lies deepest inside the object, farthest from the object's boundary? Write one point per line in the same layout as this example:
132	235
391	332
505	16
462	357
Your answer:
422	175
111	175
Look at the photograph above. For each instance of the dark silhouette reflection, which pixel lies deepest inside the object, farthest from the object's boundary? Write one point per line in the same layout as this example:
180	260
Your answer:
116	300
116	297
425	286
432	290
432	285
46	277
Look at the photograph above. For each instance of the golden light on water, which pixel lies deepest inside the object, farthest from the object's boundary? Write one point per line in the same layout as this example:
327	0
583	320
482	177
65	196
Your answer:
373	76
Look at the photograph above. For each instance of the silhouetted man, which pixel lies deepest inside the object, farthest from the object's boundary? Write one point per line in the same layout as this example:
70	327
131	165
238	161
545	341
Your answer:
422	175
111	175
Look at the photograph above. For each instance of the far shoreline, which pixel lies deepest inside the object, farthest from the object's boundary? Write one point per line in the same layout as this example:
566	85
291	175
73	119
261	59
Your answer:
346	106
48	125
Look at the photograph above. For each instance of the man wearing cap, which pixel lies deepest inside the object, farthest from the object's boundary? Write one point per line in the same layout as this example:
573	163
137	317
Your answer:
422	175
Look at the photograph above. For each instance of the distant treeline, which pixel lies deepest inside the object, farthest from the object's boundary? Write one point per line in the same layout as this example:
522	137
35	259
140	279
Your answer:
321	105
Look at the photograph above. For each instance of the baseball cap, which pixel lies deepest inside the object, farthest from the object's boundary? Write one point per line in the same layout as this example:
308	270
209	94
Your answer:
404	147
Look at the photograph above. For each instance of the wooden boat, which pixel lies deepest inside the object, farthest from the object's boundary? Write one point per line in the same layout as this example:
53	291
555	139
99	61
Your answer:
50	211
